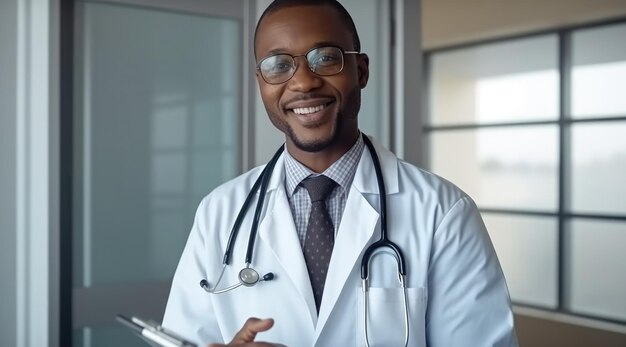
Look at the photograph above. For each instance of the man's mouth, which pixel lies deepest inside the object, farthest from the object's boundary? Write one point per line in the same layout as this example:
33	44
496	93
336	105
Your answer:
308	110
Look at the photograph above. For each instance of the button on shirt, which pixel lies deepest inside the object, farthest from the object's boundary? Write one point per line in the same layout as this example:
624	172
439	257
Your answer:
342	171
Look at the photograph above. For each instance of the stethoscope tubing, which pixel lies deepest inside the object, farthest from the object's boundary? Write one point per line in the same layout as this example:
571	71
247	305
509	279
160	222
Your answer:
383	241
259	206
263	177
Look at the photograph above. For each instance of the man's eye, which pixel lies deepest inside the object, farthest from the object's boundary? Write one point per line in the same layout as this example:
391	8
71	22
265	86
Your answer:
276	65
328	58
280	67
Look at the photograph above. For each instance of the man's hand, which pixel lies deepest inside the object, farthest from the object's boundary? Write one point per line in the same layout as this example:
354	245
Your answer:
245	336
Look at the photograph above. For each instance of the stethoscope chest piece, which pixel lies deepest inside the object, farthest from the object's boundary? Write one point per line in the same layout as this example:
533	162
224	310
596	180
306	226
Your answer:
248	277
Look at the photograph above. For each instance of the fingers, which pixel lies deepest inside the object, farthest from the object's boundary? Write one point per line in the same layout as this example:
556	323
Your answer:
247	334
252	327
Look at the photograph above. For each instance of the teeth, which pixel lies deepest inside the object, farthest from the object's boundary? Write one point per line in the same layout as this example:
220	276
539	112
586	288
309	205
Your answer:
307	110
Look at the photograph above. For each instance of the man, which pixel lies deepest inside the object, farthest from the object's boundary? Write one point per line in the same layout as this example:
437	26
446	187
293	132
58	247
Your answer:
310	74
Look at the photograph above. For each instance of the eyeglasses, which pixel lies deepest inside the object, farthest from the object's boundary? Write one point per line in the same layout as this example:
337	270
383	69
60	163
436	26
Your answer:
322	61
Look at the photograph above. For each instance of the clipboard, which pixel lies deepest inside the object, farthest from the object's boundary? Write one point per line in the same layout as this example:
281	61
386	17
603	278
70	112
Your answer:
153	333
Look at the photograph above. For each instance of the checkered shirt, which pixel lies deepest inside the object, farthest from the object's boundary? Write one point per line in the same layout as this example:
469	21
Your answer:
342	171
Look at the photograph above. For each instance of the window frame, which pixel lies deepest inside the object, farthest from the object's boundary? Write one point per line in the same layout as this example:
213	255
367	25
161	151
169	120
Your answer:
563	215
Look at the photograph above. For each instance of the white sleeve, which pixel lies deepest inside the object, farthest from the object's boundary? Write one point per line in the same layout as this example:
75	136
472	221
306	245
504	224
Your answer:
189	310
468	301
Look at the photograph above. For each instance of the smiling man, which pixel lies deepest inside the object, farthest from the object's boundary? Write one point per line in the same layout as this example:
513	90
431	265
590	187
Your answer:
315	106
323	208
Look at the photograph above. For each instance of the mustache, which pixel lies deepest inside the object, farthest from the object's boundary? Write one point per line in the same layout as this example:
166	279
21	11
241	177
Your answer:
307	96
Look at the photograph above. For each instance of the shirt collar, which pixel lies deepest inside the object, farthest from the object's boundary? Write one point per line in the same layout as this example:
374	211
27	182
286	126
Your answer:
342	171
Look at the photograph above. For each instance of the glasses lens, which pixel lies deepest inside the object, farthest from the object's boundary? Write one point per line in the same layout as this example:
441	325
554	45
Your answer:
325	60
277	68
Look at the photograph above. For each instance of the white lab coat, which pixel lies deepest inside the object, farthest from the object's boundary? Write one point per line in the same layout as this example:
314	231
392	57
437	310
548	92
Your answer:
456	290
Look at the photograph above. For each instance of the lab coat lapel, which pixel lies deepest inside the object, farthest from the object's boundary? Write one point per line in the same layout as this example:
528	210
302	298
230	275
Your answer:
357	228
278	232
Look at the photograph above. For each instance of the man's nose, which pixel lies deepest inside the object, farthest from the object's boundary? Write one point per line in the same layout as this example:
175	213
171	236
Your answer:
303	78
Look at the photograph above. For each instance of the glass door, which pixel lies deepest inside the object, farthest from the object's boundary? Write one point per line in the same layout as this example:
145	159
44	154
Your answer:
157	125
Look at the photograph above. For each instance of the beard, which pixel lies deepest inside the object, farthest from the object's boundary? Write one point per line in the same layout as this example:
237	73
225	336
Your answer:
344	116
316	145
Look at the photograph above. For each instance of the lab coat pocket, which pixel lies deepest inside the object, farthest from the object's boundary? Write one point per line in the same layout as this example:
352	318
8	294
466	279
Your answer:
385	317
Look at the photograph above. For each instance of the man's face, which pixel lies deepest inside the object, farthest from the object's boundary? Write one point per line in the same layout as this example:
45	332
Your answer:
316	113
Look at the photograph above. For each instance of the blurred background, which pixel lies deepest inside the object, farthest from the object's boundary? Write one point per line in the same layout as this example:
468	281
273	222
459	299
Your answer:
118	116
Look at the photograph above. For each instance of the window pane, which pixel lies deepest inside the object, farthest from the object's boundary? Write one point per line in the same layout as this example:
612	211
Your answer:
483	84
157	128
597	279
599	72
599	167
514	167
527	249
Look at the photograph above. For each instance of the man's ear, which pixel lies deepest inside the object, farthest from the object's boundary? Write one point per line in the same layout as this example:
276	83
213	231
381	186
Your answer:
363	69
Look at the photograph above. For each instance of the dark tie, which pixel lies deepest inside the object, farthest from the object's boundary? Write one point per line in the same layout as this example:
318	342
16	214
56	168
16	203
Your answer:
320	234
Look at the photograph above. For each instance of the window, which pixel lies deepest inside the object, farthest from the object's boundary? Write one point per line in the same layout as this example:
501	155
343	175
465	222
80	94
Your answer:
533	128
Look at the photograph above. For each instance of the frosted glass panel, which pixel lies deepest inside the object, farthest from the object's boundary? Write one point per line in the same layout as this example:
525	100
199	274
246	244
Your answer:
527	248
599	168
501	168
107	336
599	72
157	129
597	279
483	84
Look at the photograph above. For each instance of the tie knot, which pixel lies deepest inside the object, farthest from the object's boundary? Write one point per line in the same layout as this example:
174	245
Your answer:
319	187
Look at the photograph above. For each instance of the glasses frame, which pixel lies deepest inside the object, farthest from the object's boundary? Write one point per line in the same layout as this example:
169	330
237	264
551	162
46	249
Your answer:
295	62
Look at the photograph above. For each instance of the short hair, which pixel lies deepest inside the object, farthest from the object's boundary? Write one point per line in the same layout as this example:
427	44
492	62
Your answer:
343	13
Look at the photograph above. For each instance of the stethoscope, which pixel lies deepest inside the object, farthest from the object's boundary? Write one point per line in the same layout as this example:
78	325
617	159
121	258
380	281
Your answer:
248	277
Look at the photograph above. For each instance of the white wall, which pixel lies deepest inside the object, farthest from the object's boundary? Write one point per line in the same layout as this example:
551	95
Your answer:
448	22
